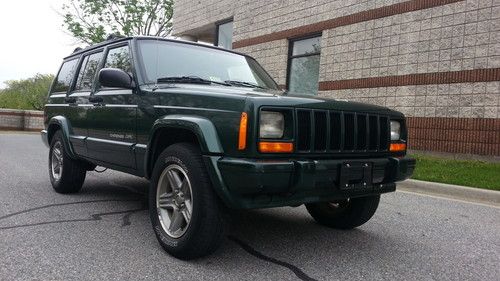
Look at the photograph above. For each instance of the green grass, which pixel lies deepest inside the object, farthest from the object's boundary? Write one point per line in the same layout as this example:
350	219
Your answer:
460	172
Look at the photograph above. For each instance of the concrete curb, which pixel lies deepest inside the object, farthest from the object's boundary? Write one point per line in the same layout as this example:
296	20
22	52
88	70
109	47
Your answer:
491	197
16	132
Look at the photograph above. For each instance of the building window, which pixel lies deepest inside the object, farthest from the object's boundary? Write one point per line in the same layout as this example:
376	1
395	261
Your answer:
303	65
225	35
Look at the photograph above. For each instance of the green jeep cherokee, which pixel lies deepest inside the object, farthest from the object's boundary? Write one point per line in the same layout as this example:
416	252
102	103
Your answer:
212	131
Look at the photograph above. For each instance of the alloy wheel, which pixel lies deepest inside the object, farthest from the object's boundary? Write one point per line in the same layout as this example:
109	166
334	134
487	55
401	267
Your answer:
56	161
174	201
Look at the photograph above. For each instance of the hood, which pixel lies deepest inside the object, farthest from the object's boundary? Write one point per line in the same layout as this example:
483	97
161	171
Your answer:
215	90
316	102
264	97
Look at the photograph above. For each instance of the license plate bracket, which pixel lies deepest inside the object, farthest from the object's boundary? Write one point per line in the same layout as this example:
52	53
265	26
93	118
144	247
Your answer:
355	175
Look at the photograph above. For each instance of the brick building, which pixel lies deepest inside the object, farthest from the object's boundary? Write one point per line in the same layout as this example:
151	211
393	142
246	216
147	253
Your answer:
437	61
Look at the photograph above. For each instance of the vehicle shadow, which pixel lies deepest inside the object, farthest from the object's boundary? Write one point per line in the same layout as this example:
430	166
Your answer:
288	229
284	232
290	238
286	237
99	185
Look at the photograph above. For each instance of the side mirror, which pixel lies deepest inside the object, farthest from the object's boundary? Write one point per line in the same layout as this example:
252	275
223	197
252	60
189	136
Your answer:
115	78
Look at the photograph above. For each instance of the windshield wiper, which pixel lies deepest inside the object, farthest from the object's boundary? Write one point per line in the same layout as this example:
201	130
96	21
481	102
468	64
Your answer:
244	84
189	79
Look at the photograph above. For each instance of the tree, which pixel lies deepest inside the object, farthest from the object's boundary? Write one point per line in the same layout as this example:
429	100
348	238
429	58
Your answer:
28	93
90	21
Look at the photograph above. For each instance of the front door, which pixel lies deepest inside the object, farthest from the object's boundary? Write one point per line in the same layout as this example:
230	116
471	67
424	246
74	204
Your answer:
112	119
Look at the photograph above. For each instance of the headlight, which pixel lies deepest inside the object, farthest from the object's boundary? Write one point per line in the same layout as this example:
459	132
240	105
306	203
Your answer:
272	125
395	130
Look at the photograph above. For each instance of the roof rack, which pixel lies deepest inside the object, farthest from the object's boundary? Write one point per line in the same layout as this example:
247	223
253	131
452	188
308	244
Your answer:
114	36
77	49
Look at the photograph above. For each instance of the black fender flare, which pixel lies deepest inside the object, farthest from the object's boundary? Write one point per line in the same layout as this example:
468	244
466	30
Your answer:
201	127
60	122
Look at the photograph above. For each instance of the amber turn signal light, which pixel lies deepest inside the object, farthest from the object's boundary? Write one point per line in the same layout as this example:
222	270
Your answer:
396	147
275	147
242	136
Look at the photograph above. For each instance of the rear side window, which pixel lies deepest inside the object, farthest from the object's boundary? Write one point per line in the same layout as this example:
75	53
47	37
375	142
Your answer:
119	58
87	72
65	76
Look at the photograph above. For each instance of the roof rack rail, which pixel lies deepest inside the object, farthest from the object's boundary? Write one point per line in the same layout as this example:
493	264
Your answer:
114	36
77	49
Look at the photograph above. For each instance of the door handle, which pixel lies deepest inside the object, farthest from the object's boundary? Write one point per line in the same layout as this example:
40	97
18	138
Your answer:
70	99
94	99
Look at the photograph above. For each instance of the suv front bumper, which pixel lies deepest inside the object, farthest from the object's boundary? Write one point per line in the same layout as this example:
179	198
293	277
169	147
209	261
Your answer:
258	183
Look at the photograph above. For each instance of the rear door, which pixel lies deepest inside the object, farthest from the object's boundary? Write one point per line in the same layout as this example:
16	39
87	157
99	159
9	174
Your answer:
112	119
78	100
61	103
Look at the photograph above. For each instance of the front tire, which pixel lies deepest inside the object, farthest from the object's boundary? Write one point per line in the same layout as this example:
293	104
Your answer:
344	214
184	210
66	175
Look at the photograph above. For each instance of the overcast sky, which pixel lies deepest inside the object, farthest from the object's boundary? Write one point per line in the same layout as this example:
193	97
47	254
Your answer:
32	38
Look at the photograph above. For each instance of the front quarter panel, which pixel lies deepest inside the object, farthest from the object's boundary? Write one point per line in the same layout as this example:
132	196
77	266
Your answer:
203	128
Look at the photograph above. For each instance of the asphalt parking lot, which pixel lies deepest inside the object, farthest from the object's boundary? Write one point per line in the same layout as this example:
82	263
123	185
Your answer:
104	233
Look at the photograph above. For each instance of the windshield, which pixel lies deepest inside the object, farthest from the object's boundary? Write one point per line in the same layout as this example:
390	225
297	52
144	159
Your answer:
162	60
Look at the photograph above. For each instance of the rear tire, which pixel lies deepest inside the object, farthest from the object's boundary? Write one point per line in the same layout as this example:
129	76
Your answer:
66	174
184	210
344	214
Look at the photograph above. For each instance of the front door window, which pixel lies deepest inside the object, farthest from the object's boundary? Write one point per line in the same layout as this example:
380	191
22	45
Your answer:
119	58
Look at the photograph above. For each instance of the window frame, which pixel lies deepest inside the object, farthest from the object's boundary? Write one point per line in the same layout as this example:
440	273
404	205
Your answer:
78	59
140	71
80	64
97	86
217	27
290	56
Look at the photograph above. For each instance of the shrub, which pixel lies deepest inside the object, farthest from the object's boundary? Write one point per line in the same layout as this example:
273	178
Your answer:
28	93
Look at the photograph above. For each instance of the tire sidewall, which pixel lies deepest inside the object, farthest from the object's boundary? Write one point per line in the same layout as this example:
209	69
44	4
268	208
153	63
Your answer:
358	211
55	139
73	172
334	212
167	158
